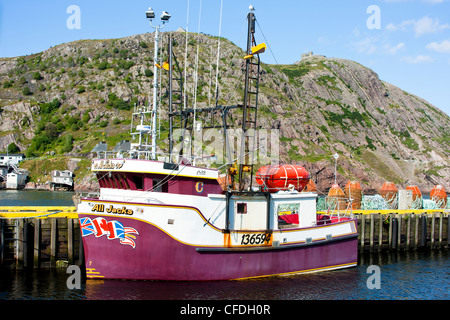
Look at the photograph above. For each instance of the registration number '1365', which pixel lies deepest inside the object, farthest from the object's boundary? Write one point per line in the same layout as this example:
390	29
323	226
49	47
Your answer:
260	238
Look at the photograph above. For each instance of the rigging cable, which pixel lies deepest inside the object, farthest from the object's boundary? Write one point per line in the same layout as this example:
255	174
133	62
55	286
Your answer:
196	61
216	91
185	57
266	42
196	72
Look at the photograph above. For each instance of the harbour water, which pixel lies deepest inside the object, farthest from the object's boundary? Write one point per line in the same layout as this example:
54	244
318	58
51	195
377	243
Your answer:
413	275
35	198
403	276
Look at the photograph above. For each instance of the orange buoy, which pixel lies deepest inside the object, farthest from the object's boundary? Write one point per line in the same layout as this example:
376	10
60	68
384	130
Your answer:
353	191
336	199
439	196
279	177
389	192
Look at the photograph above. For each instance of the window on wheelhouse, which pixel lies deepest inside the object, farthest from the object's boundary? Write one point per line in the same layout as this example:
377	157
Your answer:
138	182
241	208
160	185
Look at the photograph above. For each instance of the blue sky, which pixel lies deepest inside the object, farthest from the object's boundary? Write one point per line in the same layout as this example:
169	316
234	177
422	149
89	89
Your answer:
407	42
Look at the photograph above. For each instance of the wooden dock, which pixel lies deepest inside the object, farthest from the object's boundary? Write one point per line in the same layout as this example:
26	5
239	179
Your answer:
49	237
40	237
395	230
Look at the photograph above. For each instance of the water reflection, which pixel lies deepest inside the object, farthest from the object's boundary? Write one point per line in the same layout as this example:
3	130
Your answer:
295	287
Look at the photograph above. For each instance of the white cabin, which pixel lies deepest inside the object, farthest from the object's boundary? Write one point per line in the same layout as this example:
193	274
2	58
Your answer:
10	159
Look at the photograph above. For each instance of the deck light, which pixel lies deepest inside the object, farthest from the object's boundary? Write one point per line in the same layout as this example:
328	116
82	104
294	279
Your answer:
165	16
150	13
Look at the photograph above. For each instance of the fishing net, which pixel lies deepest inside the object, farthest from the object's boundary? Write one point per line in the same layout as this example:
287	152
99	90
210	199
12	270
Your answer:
375	202
435	204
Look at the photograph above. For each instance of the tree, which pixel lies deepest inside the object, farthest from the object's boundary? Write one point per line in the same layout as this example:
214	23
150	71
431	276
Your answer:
13	148
68	143
103	65
148	73
26	91
37	76
7	84
48	107
117	103
81	89
86	117
81	74
22	81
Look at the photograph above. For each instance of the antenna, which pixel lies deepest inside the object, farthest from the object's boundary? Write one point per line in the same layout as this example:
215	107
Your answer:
335	156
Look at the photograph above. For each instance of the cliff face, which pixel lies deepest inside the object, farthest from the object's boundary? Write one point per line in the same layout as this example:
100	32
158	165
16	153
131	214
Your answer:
381	132
85	90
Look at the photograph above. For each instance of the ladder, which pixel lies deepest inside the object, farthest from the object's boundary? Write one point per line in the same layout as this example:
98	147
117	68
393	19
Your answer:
8	241
250	107
175	105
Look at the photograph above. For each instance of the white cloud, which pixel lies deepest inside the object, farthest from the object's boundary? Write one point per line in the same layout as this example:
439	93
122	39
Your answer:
425	1
422	26
374	45
366	45
418	59
443	47
433	1
429	25
393	50
402	26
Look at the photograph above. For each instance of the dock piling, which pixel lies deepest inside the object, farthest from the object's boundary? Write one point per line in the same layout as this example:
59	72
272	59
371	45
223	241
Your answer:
402	230
423	238
380	232
53	239
394	240
37	244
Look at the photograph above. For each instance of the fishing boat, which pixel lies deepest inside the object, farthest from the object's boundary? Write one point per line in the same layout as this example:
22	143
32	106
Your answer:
163	217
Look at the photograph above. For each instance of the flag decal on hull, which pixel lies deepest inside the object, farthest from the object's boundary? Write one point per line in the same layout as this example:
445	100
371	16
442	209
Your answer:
111	229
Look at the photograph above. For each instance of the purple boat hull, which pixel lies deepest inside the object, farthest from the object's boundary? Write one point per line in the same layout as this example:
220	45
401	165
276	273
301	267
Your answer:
157	256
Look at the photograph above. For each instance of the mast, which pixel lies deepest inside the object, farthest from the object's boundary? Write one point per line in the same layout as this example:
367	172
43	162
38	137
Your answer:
165	16
175	105
250	106
155	93
169	49
185	123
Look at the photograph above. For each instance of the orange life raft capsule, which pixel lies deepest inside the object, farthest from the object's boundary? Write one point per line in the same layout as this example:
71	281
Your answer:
310	186
280	177
353	190
416	196
389	192
439	196
336	199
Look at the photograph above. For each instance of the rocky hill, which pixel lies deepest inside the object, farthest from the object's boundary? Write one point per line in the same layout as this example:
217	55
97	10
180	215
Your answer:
65	100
